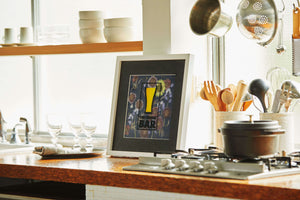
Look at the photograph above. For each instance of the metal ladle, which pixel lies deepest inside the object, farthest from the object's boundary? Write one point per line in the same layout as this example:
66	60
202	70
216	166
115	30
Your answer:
281	47
294	89
259	88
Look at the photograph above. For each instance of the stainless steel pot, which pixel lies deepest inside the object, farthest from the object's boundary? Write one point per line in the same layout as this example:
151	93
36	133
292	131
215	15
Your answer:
210	17
251	139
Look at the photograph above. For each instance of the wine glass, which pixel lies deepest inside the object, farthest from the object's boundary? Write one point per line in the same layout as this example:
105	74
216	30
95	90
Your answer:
54	122
75	125
89	126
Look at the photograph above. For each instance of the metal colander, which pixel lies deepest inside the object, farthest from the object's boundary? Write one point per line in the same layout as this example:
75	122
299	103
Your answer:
257	19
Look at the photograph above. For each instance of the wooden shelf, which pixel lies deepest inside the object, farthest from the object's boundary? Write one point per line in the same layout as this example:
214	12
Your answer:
72	48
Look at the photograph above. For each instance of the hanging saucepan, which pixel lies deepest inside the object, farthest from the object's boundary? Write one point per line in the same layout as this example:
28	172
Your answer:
210	17
258	20
251	139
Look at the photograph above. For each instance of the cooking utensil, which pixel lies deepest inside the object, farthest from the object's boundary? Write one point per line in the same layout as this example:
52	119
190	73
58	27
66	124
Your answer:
202	94
278	97
221	103
296	15
257	20
228	98
276	76
293	87
234	92
246	105
281	47
259	88
211	94
241	90
250	139
210	17
247	101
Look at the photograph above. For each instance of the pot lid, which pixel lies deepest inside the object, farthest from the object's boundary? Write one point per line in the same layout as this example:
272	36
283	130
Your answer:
258	124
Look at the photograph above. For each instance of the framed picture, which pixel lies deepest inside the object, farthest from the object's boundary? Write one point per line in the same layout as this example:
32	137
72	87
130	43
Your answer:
150	105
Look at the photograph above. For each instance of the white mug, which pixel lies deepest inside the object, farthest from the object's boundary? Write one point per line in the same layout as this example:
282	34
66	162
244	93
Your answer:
26	35
10	36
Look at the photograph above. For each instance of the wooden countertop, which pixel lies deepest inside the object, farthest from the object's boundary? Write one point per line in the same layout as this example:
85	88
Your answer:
103	170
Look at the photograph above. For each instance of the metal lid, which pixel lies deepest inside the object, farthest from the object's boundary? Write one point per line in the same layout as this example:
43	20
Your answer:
259	124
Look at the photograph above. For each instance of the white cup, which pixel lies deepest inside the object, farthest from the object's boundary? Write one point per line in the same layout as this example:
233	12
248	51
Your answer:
10	36
26	35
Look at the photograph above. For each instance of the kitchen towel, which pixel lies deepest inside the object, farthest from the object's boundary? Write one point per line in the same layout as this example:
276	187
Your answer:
54	150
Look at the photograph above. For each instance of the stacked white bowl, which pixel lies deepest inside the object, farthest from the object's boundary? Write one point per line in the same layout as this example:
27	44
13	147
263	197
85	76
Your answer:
91	25
119	29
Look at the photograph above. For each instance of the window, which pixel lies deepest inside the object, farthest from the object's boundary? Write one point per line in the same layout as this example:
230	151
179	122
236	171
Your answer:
16	72
71	84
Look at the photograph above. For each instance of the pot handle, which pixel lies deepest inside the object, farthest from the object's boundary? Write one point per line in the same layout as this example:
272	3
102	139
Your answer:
269	132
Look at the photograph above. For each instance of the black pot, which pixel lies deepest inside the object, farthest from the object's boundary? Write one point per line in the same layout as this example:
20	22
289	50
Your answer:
251	139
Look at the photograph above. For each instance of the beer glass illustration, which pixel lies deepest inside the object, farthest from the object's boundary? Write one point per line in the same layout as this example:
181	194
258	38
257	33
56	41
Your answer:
150	92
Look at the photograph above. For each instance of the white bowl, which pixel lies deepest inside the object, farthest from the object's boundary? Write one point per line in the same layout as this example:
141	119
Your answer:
113	22
91	35
119	34
91	14
91	23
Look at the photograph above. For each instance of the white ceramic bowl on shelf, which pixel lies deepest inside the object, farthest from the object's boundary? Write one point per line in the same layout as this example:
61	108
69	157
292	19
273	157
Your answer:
91	14
91	23
91	35
119	34
120	22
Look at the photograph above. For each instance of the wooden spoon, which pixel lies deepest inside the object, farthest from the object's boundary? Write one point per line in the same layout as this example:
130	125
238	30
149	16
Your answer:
227	97
241	90
202	94
234	92
233	89
222	104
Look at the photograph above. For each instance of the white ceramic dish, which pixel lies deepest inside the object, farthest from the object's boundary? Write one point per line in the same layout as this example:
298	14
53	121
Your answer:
119	34
91	23
113	22
25	44
92	35
9	45
91	14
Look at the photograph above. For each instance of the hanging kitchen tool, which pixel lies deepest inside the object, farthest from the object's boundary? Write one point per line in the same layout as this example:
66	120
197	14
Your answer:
210	17
296	15
258	20
281	47
296	40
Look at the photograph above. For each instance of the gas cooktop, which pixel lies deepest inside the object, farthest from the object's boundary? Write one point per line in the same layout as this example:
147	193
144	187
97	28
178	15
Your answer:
212	163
